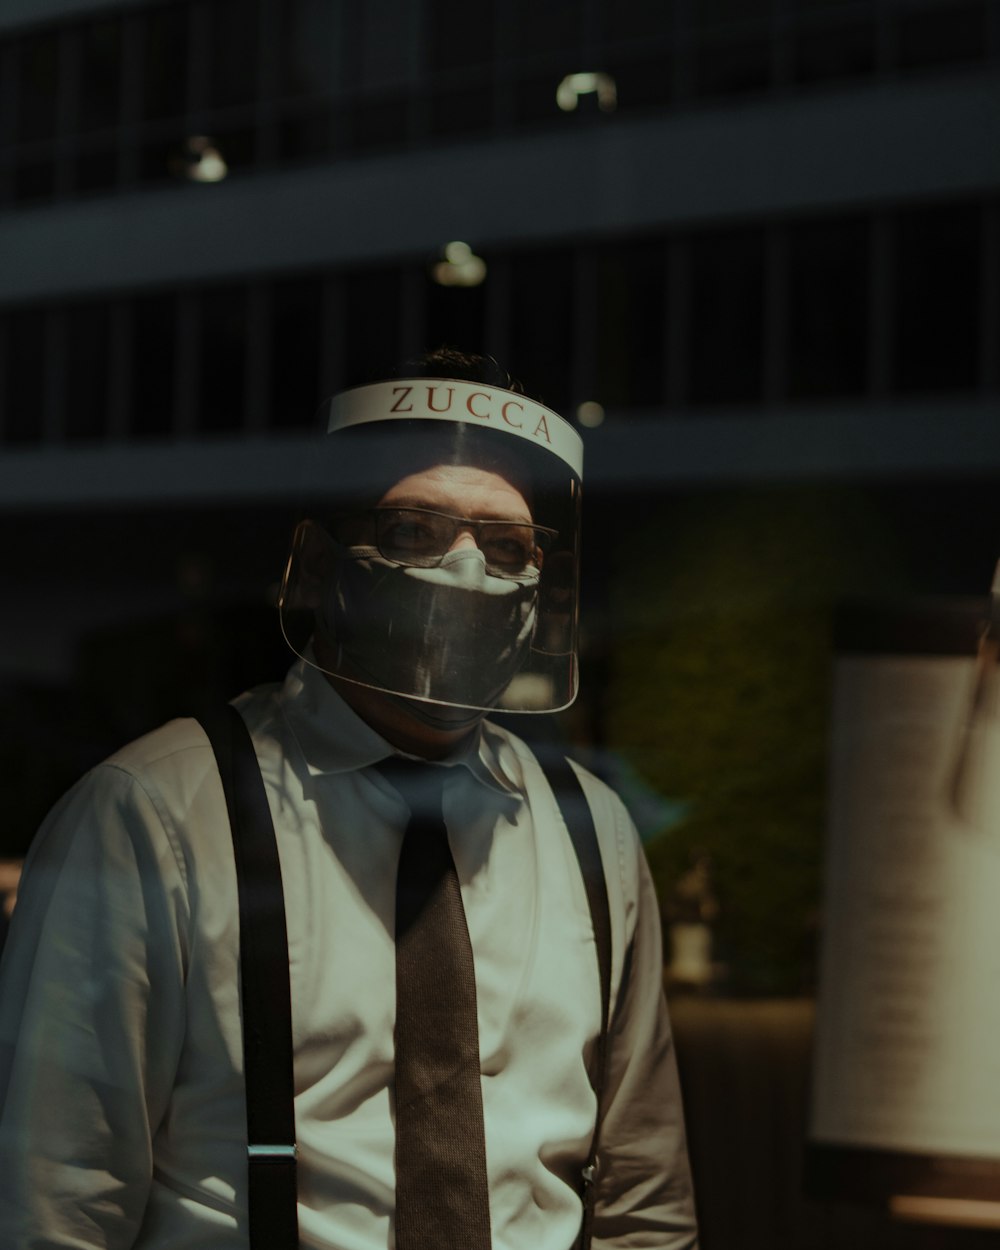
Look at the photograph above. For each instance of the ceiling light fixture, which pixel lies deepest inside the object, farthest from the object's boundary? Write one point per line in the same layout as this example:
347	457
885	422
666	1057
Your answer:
200	160
575	85
460	266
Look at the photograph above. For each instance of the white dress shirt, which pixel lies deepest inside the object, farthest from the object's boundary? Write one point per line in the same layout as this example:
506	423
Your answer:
123	1114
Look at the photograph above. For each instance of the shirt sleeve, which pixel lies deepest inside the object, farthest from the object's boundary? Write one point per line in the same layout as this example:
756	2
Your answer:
644	1193
91	1019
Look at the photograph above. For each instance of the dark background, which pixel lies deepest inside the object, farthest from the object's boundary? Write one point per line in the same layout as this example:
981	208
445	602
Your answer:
775	266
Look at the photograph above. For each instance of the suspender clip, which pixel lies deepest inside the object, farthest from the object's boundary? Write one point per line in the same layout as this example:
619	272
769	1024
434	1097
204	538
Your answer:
272	1152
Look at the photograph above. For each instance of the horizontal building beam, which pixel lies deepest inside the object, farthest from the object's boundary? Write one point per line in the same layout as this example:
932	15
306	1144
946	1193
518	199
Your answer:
876	144
642	451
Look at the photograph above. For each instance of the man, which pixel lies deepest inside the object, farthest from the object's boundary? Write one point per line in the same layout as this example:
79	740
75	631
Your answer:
438	583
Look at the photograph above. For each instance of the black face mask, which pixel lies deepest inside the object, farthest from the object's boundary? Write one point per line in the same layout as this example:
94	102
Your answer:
454	634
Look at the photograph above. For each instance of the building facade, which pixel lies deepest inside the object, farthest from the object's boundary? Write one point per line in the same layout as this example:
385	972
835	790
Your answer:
744	243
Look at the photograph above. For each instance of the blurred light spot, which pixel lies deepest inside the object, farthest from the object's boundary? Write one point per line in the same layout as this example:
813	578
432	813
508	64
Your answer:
10	875
201	161
527	691
460	266
575	85
590	414
957	1212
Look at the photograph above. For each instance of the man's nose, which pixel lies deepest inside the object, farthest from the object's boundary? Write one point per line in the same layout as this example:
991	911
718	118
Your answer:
466	537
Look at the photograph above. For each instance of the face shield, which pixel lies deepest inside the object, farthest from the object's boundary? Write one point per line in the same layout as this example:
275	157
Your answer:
443	564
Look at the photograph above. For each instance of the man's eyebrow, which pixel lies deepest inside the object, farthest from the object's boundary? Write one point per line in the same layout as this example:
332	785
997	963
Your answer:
420	503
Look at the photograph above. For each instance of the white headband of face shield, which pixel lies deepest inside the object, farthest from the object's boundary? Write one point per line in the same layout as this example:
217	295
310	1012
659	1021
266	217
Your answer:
447	399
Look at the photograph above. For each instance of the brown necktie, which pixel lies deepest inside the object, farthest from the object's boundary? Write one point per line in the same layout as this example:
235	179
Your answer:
442	1193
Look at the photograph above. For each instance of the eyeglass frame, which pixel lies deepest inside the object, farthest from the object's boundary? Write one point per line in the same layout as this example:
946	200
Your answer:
543	532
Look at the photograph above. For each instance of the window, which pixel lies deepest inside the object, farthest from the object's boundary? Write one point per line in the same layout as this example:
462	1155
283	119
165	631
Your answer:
373	343
233	52
631	324
637	19
729	65
304	135
296	327
34	179
307	48
24	406
828	53
949	34
461	110
222	388
235	145
937	298
88	340
100	51
720	12
459	36
165	62
96	169
9	50
379	123
553	27
457	316
541	324
159	157
382	49
154	332
828	332
38	85
642	81
823	8
727	316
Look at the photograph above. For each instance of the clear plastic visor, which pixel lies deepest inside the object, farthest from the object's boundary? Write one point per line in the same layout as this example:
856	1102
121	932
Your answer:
455	584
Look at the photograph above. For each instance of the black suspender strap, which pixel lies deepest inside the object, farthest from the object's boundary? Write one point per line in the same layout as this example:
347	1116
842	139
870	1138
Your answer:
264	989
579	819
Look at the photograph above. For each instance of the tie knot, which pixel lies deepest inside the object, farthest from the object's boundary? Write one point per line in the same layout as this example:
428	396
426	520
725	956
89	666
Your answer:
419	785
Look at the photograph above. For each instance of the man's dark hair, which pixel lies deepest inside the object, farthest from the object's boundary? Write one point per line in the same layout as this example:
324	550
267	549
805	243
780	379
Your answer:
449	362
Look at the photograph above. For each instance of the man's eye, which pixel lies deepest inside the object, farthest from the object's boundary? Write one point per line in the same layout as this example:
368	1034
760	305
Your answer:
410	535
510	552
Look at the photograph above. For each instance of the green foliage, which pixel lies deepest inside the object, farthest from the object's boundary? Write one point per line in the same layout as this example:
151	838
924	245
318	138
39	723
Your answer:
720	698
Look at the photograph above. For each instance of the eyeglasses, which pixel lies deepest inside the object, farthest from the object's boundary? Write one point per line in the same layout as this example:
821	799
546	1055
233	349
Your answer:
421	538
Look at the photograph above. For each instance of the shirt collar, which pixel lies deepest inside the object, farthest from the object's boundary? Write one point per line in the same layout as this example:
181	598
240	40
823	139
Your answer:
334	739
